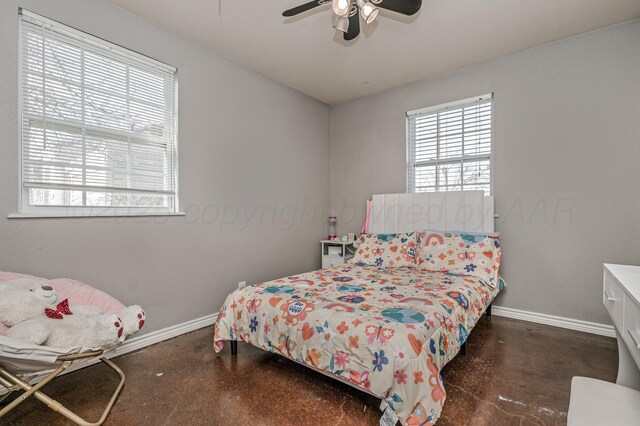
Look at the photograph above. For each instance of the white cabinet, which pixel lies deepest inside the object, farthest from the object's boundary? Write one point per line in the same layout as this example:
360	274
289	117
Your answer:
613	297
621	296
631	328
335	253
594	402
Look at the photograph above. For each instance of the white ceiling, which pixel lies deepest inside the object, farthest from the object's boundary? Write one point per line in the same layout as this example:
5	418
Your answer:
306	53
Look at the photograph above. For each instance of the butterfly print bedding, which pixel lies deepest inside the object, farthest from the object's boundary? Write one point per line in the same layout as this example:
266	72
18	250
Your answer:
388	331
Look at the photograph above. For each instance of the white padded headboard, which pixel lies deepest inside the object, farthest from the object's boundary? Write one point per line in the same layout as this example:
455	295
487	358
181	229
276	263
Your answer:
469	211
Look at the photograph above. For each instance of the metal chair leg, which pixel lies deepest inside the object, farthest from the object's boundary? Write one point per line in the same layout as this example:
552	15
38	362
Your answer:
10	391
234	347
80	421
9	380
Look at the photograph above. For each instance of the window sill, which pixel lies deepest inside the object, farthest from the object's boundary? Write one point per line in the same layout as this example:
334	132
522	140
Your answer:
87	215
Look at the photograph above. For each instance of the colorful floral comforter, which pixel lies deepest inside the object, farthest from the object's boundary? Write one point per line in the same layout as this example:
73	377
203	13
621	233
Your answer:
388	331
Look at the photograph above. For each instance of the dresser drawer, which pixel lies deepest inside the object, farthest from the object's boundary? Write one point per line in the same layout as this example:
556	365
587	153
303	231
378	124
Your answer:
631	329
613	298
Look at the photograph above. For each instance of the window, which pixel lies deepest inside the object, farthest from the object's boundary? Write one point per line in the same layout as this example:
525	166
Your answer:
98	131
449	147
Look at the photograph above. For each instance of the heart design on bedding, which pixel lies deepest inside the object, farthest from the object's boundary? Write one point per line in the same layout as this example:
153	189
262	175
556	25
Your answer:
274	301
393	248
489	254
416	344
307	331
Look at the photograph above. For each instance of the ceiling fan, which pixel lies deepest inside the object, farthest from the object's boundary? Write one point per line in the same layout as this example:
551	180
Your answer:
347	13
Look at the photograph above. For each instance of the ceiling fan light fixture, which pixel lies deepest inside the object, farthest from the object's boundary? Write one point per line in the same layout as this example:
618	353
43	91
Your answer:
341	7
347	13
367	10
371	16
341	23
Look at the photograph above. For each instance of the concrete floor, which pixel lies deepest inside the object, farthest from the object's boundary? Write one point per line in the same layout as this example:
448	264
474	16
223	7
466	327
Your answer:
515	373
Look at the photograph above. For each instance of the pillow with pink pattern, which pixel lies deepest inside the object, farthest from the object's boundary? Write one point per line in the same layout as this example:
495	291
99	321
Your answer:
386	250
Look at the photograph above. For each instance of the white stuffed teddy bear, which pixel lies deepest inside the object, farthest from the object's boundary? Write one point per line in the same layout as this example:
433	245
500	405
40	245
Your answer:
29	308
98	332
132	317
24	299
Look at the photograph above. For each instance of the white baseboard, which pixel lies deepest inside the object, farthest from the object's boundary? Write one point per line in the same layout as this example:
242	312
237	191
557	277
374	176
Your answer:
556	321
139	342
158	336
143	341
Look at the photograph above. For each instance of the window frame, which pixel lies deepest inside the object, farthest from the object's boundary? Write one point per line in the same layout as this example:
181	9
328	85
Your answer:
27	210
460	159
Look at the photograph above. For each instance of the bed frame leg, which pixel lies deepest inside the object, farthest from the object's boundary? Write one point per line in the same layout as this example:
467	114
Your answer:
234	347
489	309
463	349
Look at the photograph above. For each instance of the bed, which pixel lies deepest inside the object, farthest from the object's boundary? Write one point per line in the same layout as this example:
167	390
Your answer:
386	330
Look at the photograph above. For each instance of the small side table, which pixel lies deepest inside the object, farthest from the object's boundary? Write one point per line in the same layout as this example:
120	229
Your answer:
336	252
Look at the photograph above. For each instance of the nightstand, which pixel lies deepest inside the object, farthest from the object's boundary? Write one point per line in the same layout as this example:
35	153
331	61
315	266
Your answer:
336	252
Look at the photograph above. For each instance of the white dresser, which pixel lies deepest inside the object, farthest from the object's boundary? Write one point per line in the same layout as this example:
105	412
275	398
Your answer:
595	402
621	297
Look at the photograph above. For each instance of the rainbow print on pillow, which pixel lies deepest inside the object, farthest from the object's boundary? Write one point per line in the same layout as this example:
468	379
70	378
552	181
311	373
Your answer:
460	253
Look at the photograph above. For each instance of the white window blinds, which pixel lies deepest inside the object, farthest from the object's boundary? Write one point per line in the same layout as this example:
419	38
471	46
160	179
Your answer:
449	146
98	121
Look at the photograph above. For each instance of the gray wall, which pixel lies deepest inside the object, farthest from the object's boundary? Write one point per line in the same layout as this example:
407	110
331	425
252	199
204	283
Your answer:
566	162
566	174
248	146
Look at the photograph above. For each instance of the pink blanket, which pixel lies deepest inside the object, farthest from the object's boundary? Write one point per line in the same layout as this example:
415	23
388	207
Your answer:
77	292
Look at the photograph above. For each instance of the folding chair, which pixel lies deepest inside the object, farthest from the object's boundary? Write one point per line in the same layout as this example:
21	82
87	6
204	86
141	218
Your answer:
28	368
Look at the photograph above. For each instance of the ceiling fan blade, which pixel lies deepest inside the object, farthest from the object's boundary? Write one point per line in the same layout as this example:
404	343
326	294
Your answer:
304	7
406	7
354	27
